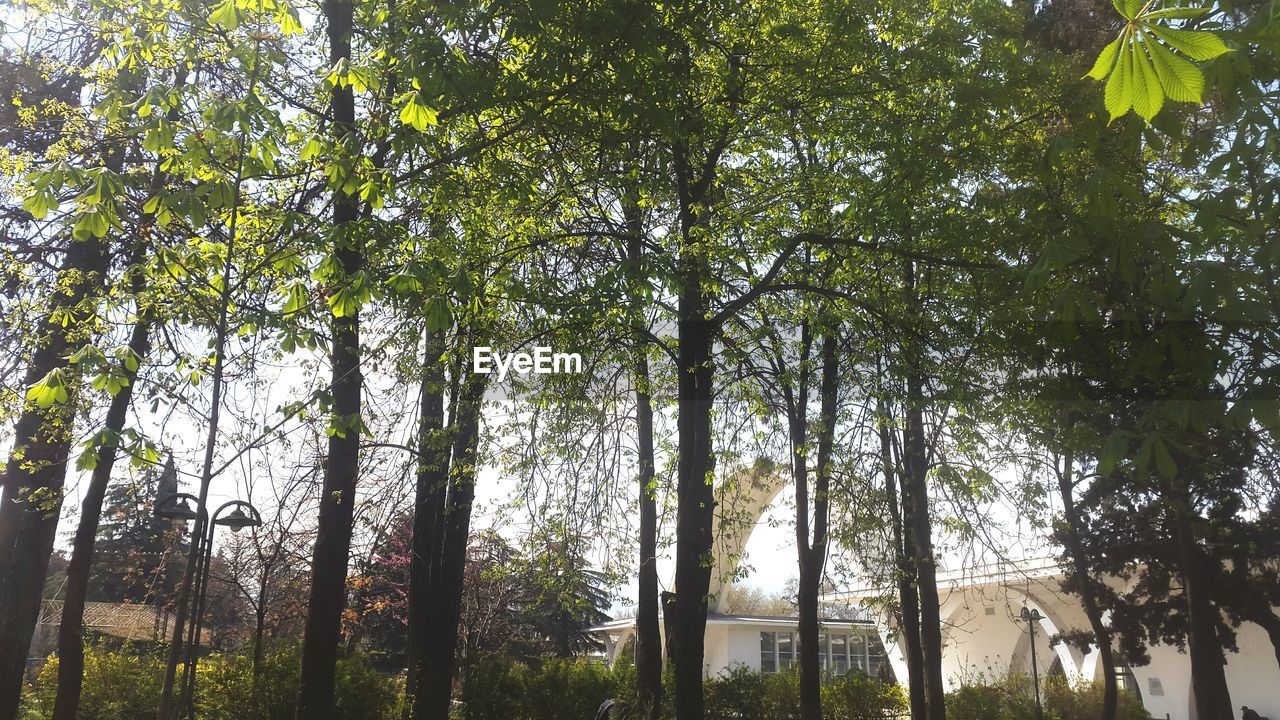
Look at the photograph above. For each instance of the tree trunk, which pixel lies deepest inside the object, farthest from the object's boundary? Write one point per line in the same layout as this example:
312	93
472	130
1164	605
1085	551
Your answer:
908	595
440	660
695	500
813	554
337	503
648	637
430	495
1088	595
71	625
1208	674
916	493
36	470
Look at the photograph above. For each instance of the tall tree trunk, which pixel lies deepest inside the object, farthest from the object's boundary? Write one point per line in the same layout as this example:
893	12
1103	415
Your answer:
440	659
904	552
430	494
1085	588
813	554
648	636
916	492
71	626
337	503
36	469
1208	674
695	500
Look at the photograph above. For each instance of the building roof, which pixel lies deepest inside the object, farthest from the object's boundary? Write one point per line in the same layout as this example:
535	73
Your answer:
722	619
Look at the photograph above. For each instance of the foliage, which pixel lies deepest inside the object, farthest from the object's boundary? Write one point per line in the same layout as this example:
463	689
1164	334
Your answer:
495	688
1145	65
524	606
139	556
123	684
742	693
1013	699
119	684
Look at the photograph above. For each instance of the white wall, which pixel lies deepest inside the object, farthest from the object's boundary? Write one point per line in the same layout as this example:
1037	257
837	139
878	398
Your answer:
744	648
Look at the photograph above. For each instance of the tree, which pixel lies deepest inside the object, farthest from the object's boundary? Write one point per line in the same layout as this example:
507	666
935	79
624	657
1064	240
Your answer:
139	555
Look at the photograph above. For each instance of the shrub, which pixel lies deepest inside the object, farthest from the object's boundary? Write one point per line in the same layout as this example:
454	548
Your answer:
118	685
745	694
498	689
858	697
125	683
1013	698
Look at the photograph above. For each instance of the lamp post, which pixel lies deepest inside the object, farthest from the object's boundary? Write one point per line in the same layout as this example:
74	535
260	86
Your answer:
231	515
1033	616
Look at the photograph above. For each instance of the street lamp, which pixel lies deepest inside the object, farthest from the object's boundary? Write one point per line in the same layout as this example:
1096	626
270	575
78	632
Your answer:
231	515
1032	616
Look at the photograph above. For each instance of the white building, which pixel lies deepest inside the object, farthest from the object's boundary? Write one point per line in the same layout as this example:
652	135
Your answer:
768	644
984	636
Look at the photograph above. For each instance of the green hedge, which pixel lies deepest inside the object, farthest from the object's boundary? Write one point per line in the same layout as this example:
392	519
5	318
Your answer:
1013	698
498	689
124	684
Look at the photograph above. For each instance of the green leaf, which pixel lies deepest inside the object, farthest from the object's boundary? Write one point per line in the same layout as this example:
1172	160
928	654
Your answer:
1175	13
1148	98
88	459
224	14
417	115
439	315
48	390
1181	80
1106	61
1119	93
295	298
343	302
1199	45
1164	461
1113	451
311	149
289	21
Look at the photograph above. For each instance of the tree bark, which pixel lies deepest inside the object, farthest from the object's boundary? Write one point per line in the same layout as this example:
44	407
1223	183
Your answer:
71	625
916	493
1208	674
695	505
430	492
648	636
440	660
813	554
1085	588
337	503
904	552
36	469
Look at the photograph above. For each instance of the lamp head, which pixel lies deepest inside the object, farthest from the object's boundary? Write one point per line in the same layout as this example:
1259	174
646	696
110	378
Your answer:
238	520
175	507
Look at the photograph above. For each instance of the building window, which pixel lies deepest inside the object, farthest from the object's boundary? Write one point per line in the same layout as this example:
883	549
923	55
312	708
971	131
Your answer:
786	650
857	653
768	652
878	659
838	653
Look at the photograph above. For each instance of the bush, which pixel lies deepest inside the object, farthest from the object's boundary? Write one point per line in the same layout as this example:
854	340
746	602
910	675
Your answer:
858	697
118	685
1013	698
776	696
498	689
125	684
